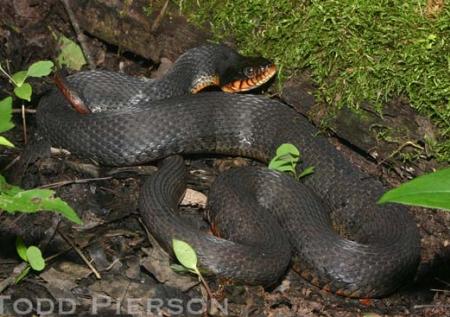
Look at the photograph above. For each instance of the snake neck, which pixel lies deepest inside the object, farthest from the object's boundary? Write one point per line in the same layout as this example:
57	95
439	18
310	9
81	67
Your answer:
182	79
211	65
197	69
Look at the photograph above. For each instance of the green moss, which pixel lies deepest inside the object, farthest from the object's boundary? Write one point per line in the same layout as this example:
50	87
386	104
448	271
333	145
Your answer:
356	50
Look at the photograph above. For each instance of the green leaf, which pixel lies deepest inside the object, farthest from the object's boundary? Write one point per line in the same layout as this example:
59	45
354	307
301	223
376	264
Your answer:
7	189
281	166
307	171
71	54
180	269
19	78
185	254
287	148
286	158
21	249
40	69
6	114
24	91
431	190
4	141
35	258
35	200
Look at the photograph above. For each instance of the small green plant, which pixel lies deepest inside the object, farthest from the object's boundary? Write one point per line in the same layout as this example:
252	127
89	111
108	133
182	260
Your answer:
286	159
32	255
22	89
186	255
12	198
15	199
71	54
148	10
5	120
431	191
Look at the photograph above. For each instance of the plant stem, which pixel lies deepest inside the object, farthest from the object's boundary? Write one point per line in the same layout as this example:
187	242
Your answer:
7	75
200	276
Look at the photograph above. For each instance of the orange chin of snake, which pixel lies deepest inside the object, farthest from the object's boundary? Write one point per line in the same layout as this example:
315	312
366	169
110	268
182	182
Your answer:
260	77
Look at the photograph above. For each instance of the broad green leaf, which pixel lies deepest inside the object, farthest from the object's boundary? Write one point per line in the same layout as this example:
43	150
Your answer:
185	254
21	249
35	258
287	148
34	200
71	54
4	141
6	114
40	69
307	171
24	91
19	78
281	166
431	190
286	158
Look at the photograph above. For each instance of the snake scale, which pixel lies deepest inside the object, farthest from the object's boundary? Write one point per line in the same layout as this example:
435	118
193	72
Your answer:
328	225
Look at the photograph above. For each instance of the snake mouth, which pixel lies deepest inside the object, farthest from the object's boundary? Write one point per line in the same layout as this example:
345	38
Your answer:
205	82
255	77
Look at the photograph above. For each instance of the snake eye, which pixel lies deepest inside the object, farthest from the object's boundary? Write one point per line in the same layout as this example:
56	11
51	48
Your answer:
249	72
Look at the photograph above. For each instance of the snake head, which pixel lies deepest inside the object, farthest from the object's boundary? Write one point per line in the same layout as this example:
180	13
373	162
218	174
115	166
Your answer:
222	66
248	74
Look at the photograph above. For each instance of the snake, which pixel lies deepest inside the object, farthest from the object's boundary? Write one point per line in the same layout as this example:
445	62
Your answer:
327	226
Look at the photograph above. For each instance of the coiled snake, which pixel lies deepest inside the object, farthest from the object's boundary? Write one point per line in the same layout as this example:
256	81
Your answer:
136	121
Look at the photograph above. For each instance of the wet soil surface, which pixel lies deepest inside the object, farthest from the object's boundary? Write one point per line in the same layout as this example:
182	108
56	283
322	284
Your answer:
132	274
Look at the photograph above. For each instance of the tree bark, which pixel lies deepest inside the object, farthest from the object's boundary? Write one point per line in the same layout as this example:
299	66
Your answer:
141	27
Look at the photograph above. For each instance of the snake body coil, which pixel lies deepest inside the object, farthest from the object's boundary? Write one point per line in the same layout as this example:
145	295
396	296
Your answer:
130	128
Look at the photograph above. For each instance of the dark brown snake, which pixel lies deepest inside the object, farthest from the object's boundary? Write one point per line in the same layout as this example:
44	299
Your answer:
267	215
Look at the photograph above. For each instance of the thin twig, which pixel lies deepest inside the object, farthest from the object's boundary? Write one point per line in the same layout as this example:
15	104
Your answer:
80	35
10	164
75	181
399	149
24	110
158	20
430	306
59	151
150	238
122	298
109	267
24	124
82	256
440	290
12	278
442	281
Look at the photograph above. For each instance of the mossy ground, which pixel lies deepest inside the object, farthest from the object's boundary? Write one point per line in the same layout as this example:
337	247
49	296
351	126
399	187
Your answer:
355	50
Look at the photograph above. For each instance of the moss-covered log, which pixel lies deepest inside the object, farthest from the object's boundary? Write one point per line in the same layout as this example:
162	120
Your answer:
398	132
